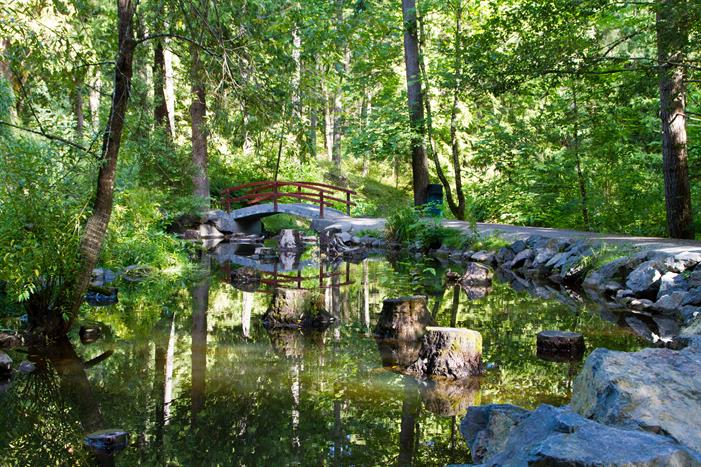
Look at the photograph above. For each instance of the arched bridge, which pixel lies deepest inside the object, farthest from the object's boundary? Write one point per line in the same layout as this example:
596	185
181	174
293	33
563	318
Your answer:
246	204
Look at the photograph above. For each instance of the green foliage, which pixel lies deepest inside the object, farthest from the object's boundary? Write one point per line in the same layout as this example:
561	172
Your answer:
274	224
401	224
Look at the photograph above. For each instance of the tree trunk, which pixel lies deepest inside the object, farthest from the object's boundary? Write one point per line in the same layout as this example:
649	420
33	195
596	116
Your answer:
160	106
169	88
94	102
313	123
96	226
78	106
419	166
337	128
672	41
200	305
328	124
198	113
364	105
454	144
577	158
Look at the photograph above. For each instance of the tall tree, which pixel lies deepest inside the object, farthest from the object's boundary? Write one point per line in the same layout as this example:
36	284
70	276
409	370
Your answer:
198	115
96	226
672	41
419	166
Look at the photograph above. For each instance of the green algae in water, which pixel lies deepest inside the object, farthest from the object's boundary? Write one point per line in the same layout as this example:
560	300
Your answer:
197	379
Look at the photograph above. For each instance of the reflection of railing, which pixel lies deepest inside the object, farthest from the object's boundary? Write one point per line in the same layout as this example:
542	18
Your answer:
275	279
320	194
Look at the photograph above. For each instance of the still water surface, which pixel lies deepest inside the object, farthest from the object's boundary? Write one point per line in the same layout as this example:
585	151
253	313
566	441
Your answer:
191	372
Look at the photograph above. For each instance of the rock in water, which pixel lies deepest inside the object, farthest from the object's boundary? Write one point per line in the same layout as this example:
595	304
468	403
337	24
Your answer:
5	364
564	344
556	436
486	428
453	353
290	240
110	440
403	318
653	389
476	274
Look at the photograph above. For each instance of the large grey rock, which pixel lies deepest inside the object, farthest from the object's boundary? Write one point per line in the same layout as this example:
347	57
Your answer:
209	231
518	246
486	428
653	389
449	353
693	297
504	255
521	258
672	282
671	303
552	436
644	281
639	327
483	257
476	274
689	259
223	221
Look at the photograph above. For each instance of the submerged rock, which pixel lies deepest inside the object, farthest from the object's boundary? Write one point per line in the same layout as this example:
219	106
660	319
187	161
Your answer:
654	389
403	318
452	353
476	274
557	436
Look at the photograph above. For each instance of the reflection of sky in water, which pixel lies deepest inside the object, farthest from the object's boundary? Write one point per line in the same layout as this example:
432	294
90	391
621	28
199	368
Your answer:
198	380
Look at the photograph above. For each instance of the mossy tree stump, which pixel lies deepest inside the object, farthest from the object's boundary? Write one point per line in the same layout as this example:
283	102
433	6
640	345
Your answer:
451	353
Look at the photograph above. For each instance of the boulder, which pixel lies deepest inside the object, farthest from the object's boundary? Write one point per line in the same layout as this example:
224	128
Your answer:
559	437
689	313
671	303
690	259
694	278
639	304
403	318
566	344
476	274
451	353
521	258
655	389
5	364
109	441
693	297
644	281
672	282
290	240
667	328
486	428
504	255
518	246
209	231
483	257
223	221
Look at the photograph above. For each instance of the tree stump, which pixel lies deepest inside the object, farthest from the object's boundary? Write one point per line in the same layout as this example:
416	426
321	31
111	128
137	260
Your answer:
296	308
398	354
403	318
450	398
559	345
89	334
452	353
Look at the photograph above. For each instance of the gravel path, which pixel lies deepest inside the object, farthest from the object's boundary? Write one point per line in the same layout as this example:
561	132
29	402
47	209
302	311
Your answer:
514	232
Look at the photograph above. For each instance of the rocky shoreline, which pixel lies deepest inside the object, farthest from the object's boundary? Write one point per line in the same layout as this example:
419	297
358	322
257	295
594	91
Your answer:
635	409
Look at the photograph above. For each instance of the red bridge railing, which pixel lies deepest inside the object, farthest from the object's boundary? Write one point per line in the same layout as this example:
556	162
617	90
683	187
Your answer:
320	194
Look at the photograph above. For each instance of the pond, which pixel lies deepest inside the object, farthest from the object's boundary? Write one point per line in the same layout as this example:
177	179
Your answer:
192	374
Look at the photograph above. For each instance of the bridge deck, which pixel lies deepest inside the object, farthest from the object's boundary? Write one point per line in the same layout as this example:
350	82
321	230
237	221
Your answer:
308	211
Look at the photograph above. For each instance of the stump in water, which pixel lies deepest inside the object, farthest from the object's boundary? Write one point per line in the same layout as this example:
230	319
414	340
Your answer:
398	354
290	240
288	343
450	398
453	353
403	318
560	345
245	279
296	308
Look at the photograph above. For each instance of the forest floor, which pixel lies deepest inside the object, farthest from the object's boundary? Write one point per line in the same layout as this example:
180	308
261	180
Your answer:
516	232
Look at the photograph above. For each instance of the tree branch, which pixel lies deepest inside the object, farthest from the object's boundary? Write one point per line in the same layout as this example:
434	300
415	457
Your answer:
175	36
46	135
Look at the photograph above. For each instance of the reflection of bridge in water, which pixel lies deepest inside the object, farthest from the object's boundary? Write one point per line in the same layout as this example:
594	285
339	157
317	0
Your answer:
275	275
